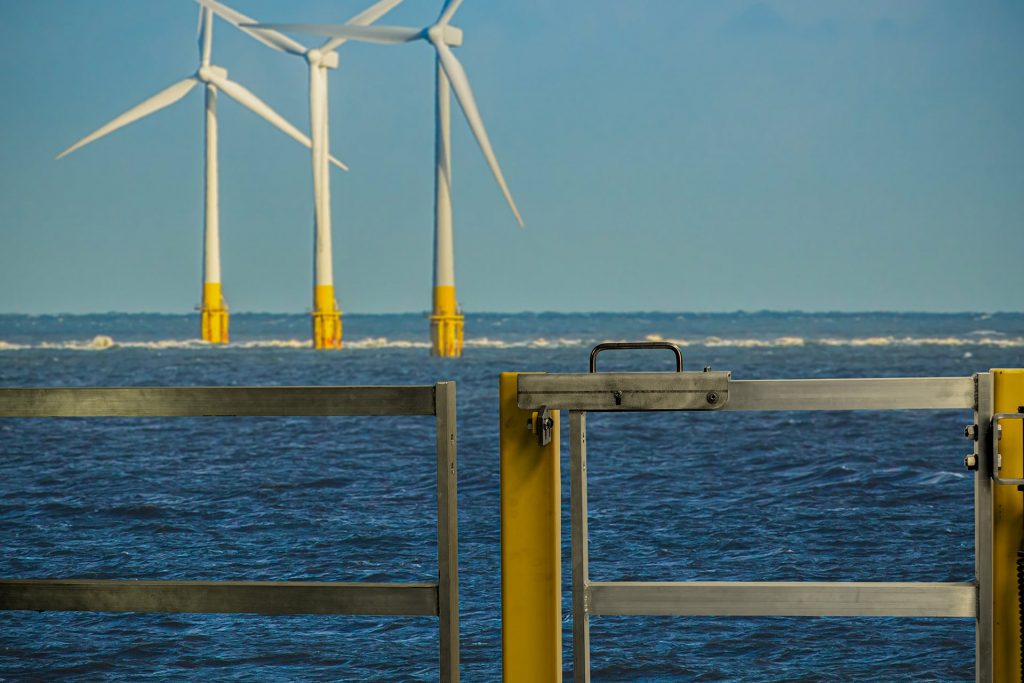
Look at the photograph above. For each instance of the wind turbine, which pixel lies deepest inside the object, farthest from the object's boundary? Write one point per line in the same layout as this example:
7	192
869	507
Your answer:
326	316
214	312
446	320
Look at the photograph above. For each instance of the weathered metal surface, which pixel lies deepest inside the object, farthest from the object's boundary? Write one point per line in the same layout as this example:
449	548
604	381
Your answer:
219	597
447	532
897	393
771	599
217	401
580	546
624	391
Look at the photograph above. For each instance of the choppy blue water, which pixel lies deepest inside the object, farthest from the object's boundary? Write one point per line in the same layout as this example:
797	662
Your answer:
773	496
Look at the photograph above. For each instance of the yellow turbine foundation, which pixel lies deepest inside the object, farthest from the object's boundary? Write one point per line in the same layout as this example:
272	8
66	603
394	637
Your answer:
214	314
326	318
446	324
1008	526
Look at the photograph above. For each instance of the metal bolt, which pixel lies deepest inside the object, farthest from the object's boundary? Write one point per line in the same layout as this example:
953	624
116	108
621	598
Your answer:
971	432
971	462
712	397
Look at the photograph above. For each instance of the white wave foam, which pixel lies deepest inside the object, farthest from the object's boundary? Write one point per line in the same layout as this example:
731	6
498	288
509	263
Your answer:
385	343
539	343
924	341
100	342
273	344
718	342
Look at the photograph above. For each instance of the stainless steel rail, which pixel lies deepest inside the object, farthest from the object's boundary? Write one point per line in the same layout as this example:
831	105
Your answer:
608	392
440	599
783	599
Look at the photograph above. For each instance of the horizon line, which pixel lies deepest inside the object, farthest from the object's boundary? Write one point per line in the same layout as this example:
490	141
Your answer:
738	311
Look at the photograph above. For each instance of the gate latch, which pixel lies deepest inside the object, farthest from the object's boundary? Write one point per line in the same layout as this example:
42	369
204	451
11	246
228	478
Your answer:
542	425
997	458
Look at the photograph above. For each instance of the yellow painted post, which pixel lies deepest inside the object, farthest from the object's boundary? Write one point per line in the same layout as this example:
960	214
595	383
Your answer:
1008	523
531	561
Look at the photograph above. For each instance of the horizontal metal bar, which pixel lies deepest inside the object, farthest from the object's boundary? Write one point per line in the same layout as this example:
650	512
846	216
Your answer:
901	393
217	401
775	599
219	597
613	391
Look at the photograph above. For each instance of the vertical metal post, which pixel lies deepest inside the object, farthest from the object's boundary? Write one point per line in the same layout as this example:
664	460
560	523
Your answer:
447	531
580	568
531	561
1007	510
983	528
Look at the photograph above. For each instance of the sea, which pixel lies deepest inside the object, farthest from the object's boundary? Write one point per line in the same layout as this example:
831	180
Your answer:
783	496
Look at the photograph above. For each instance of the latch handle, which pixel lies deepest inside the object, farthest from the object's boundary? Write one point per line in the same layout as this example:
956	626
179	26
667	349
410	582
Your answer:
636	345
997	459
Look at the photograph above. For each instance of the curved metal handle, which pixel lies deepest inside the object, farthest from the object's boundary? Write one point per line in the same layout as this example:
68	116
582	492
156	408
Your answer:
635	345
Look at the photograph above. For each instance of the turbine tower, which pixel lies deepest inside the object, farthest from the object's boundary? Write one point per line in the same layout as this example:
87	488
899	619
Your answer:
327	329
214	312
446	319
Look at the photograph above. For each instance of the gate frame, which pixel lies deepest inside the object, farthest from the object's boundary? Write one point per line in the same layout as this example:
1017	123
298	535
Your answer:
687	391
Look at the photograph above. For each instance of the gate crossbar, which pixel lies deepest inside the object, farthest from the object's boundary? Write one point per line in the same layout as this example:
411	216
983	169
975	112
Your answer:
439	599
717	391
782	599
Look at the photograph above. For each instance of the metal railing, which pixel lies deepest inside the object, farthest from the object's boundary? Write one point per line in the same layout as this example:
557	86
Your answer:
440	599
717	391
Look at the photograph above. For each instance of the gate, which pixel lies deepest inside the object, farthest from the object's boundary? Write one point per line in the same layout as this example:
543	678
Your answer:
542	395
439	599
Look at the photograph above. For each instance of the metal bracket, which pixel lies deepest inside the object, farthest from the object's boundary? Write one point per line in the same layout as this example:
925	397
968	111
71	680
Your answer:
542	425
997	458
624	391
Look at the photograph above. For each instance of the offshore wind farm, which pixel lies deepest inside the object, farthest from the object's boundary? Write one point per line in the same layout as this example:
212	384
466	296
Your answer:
446	319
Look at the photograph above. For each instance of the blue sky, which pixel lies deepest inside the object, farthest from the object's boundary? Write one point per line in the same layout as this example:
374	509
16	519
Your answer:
666	155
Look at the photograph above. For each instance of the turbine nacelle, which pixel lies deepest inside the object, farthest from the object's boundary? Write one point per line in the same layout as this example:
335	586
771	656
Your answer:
209	73
328	60
446	34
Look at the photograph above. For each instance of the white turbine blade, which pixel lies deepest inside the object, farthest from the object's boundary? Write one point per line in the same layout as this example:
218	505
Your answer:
364	18
162	99
449	10
383	35
206	38
373	13
460	84
272	39
343	167
245	98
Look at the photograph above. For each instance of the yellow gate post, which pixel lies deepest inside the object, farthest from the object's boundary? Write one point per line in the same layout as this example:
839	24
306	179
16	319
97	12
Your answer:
1008	529
531	561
